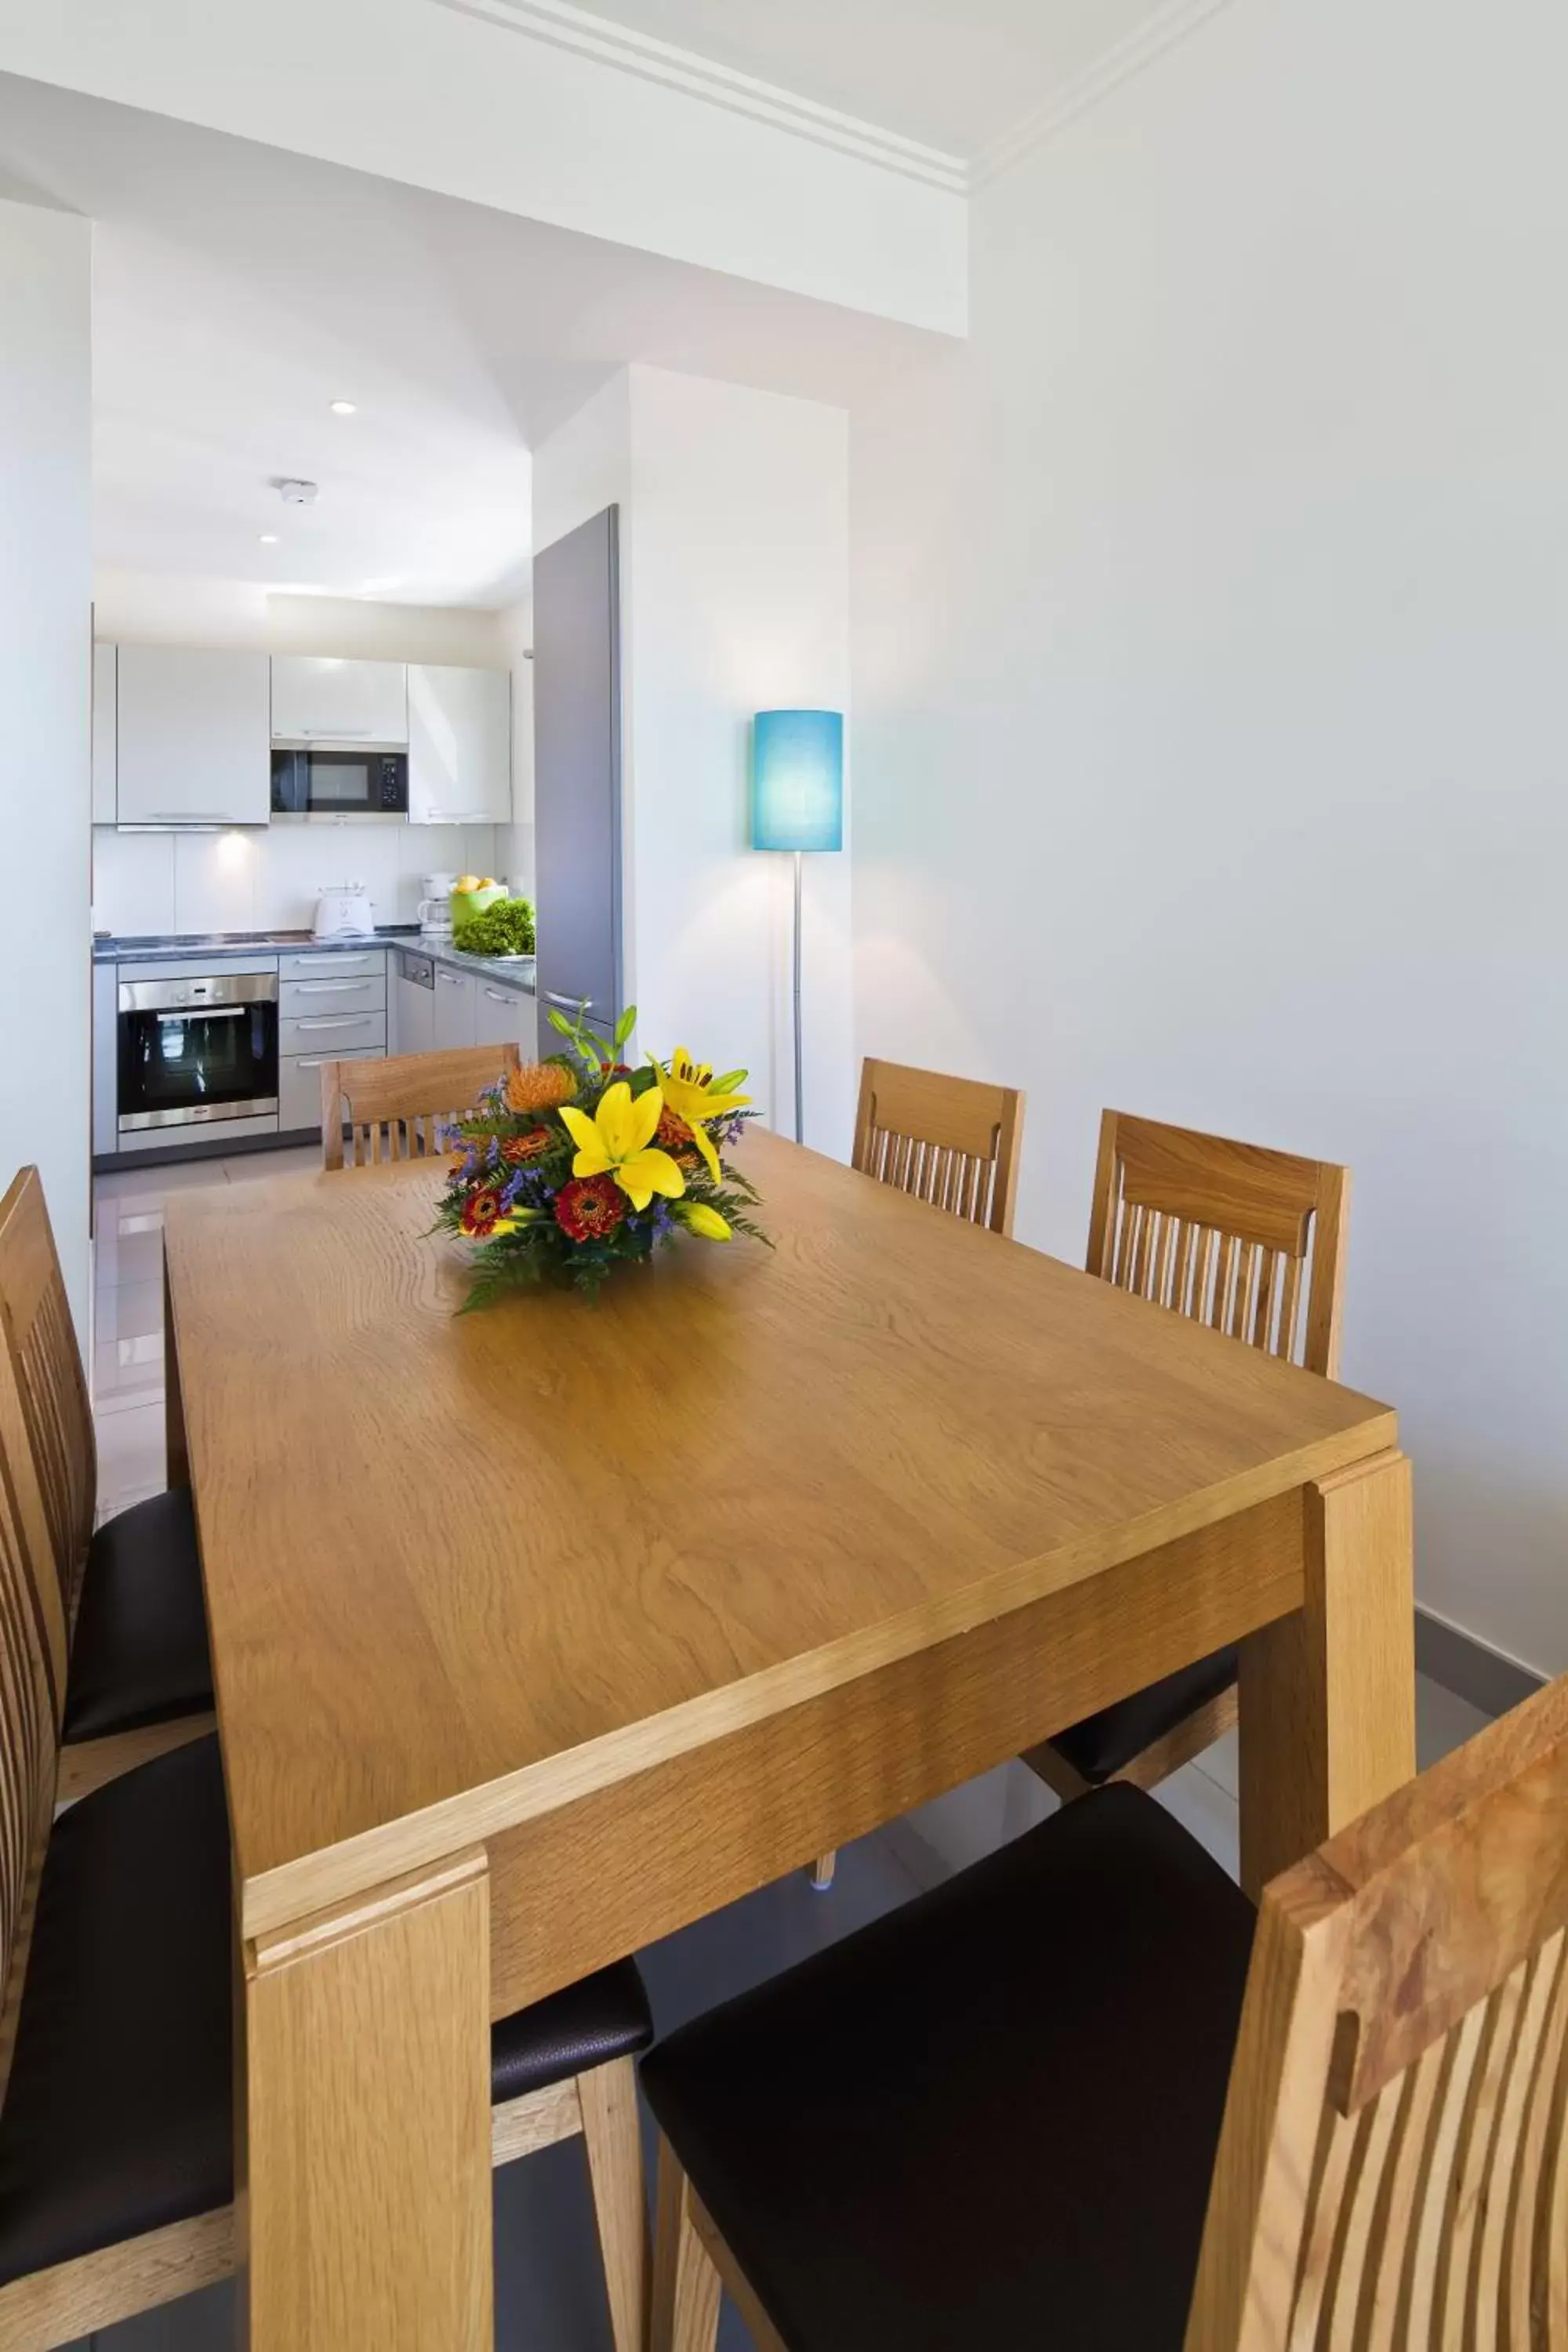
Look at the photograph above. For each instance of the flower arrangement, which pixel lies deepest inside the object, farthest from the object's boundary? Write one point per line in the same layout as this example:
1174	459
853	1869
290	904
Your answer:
577	1163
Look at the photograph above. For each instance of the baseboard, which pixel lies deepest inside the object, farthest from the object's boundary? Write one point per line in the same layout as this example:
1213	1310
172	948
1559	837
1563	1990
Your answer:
1487	1678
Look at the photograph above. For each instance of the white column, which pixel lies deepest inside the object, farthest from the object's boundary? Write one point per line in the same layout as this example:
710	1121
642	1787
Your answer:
734	599
46	659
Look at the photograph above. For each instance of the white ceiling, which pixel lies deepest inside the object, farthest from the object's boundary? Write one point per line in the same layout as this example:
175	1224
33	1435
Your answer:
238	290
957	75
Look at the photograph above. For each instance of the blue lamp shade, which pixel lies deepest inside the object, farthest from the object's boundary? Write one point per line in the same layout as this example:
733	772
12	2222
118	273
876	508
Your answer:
797	780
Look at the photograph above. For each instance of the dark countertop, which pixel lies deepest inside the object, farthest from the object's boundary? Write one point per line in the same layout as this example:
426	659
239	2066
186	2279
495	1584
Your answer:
187	946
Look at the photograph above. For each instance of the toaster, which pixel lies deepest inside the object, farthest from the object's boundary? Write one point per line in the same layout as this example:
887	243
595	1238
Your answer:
344	913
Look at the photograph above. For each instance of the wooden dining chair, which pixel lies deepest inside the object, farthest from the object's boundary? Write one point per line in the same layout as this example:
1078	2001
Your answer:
1252	1243
123	1600
116	2003
953	1142
399	1109
1082	2086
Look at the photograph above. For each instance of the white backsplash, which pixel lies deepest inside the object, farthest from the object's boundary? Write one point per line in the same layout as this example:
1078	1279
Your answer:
253	879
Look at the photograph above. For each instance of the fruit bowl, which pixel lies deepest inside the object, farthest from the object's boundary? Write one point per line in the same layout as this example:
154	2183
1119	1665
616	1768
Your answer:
474	899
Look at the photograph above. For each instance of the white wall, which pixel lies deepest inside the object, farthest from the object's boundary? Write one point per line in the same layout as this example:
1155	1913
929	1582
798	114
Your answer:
46	594
507	113
267	879
1211	701
734	592
145	608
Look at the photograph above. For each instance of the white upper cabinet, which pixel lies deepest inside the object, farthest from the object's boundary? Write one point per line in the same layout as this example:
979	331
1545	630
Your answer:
319	700
460	746
105	736
194	737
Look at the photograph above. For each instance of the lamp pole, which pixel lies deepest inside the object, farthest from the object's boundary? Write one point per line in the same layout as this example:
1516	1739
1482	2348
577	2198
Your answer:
797	803
799	1047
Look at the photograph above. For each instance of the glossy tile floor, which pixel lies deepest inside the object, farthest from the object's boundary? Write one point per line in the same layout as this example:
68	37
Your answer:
549	2289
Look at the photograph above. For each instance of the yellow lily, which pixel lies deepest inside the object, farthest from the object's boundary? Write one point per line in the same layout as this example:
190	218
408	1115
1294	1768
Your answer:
689	1092
509	1224
616	1143
699	1218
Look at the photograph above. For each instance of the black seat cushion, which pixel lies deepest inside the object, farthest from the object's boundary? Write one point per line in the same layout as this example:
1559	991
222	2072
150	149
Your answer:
990	2118
138	1653
1105	1744
605	2016
118	2114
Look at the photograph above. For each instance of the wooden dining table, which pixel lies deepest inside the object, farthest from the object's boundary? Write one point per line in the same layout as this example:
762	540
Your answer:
542	1630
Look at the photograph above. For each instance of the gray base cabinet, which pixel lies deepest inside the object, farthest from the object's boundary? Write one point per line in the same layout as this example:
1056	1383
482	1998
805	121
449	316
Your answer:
457	1009
331	1008
505	1017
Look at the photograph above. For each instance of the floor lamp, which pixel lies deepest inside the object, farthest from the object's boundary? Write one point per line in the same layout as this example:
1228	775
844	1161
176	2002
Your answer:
797	803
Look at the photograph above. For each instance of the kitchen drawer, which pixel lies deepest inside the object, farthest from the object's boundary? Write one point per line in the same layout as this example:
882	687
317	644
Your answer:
300	1085
333	1033
302	999
332	963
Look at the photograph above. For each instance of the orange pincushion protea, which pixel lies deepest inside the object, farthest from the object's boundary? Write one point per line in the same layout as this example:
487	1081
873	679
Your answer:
540	1085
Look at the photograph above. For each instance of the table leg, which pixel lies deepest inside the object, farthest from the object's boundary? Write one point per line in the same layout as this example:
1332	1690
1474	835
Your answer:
366	2154
1328	1693
178	1467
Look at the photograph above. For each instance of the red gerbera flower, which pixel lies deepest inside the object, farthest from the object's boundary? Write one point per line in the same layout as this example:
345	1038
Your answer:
480	1211
589	1207
518	1148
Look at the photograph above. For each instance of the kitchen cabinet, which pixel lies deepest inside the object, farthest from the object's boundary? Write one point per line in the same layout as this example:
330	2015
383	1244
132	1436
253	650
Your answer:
105	734
505	1017
193	737
299	1086
316	699
412	1005
457	1010
459	745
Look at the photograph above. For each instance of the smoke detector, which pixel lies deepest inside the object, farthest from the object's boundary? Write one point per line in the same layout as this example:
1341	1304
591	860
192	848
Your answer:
294	493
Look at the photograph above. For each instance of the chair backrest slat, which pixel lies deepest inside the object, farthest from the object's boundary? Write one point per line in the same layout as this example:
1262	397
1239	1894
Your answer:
1224	1233
40	1339
398	1109
30	1702
953	1142
1392	2172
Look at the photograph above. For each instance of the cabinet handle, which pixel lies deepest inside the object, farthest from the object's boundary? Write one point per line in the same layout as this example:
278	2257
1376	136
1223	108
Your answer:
344	1021
192	817
572	1003
454	979
327	987
328	963
503	995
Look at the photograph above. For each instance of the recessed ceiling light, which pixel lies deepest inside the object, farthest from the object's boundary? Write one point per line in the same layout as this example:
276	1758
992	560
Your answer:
269	538
343	407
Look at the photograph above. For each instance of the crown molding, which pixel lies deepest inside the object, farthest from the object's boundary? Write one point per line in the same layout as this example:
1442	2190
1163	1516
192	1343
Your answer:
1158	33
567	27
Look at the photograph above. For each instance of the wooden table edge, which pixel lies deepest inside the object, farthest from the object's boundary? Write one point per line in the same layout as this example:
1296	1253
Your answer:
290	1893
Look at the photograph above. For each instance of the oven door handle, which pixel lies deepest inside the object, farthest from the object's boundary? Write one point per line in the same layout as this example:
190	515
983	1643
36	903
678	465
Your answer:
201	1011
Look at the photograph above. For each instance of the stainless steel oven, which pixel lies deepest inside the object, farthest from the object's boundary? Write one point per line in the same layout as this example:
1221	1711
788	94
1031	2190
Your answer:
198	1049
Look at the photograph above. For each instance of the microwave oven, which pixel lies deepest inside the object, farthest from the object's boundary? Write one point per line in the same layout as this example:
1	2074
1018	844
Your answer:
337	783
